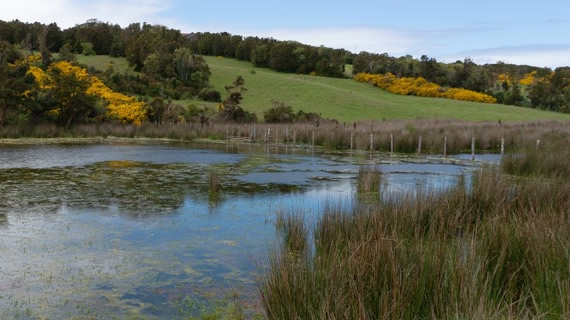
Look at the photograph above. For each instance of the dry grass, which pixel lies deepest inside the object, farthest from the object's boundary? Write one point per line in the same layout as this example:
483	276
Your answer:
333	135
368	179
493	250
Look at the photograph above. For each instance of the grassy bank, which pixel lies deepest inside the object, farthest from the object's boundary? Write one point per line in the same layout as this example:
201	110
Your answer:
402	136
341	99
496	250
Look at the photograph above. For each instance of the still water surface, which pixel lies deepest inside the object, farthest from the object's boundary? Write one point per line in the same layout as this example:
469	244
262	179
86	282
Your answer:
103	231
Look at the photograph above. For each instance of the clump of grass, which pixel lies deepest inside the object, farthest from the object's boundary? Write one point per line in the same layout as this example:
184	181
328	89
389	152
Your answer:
295	232
496	249
368	179
550	160
214	182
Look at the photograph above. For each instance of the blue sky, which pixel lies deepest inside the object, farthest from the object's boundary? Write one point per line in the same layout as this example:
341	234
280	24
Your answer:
530	32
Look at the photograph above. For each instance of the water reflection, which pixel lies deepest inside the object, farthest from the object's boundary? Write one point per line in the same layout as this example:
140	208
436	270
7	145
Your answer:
119	231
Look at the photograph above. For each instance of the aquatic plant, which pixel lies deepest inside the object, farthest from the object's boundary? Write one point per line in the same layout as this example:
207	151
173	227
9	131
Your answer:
368	179
498	249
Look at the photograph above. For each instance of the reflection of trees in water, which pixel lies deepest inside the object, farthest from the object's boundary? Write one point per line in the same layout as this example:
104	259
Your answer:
137	189
3	218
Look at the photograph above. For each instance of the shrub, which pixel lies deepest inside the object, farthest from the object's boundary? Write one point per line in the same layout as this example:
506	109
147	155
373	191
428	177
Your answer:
87	49
210	95
279	113
421	87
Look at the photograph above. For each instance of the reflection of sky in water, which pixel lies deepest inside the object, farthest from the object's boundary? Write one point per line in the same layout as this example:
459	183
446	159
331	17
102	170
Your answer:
79	260
47	156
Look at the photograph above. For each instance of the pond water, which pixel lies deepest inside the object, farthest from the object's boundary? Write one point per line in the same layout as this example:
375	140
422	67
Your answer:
103	231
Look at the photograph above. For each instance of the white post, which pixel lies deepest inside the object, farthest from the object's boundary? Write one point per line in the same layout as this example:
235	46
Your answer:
472	148
313	139
537	144
502	146
391	143
371	141
294	137
351	140
445	147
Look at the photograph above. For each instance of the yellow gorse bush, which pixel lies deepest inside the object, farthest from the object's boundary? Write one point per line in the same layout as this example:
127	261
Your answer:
528	78
119	106
421	87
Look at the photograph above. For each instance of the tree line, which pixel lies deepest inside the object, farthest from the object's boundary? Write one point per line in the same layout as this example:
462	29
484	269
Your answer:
169	65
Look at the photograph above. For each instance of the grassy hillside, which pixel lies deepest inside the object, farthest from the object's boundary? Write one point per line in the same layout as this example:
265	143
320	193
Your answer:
342	99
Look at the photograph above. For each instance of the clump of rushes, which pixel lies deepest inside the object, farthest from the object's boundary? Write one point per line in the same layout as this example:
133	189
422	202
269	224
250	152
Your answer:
368	179
214	182
551	160
498	249
294	230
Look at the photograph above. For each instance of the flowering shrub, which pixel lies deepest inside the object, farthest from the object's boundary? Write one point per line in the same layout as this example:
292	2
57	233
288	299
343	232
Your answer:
124	108
421	87
528	78
505	78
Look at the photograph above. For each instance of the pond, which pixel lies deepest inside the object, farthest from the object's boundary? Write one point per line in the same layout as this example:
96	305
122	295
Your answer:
132	231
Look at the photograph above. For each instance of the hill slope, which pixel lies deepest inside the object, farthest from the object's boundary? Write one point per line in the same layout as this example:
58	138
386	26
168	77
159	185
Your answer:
346	99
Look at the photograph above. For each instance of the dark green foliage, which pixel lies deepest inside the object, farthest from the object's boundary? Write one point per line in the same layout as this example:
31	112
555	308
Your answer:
210	95
285	56
232	110
279	113
13	82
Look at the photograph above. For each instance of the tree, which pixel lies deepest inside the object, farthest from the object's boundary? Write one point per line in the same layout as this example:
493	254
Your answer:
68	86
13	81
231	109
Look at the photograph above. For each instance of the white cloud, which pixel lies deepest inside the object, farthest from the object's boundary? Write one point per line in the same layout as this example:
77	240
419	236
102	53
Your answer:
535	55
68	13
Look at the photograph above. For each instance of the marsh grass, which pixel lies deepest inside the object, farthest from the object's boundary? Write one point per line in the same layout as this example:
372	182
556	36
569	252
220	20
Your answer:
551	160
332	135
368	179
214	181
294	231
496	249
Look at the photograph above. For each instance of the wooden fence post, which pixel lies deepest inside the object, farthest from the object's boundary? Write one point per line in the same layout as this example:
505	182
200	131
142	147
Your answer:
391	143
472	148
313	139
502	146
294	137
420	145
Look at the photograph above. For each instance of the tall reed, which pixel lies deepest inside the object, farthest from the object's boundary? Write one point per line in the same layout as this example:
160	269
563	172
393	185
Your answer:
332	135
496	249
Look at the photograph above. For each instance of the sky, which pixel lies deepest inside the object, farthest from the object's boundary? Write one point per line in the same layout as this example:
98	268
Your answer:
522	32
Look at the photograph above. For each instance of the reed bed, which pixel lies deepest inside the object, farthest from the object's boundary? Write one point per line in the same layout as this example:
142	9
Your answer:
498	248
399	136
368	179
551	160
